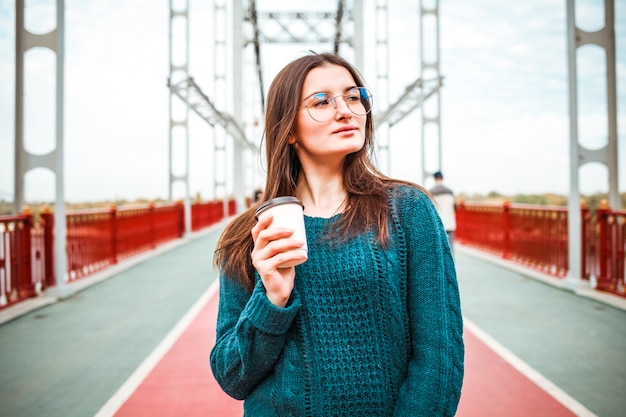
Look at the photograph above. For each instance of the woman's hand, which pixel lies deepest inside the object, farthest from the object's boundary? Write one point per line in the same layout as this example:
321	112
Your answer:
273	246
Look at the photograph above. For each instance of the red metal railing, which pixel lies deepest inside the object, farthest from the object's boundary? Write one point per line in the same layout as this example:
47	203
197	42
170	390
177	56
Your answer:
206	214
16	278
99	238
537	236
481	226
96	239
611	240
91	242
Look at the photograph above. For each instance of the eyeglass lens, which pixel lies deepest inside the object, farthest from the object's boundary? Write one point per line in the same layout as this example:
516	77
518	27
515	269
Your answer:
322	106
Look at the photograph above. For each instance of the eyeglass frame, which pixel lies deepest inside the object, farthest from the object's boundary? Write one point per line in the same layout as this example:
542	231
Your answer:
334	102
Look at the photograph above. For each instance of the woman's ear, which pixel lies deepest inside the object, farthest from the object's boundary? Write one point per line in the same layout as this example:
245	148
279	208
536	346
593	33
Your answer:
292	140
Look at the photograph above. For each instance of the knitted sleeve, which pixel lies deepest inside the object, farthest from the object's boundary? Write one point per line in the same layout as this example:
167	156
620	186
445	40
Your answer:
435	373
251	333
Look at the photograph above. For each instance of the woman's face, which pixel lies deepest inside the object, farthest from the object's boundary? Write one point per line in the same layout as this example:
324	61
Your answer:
340	136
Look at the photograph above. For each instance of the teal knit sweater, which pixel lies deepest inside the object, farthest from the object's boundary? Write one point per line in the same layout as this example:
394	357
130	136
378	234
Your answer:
368	331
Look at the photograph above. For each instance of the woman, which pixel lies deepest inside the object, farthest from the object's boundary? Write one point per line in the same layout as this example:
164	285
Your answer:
370	325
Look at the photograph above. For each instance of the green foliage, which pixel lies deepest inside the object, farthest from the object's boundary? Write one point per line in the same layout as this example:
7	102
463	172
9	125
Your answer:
591	201
594	201
6	208
531	199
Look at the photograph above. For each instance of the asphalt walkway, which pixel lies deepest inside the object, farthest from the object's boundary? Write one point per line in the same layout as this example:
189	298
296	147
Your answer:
136	343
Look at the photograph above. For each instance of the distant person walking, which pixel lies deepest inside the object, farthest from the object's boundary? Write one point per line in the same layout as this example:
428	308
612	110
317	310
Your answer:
447	206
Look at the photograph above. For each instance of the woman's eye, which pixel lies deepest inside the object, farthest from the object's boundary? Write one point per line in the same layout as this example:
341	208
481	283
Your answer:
321	101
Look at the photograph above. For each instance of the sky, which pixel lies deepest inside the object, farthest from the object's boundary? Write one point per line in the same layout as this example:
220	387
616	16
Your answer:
504	103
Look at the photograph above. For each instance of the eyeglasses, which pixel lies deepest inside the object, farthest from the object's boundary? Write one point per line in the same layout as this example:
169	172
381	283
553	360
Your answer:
322	106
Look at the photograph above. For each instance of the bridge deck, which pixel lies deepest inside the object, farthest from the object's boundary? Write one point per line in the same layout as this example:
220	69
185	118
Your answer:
137	344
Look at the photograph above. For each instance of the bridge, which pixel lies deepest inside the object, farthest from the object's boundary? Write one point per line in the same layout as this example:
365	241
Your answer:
134	340
532	349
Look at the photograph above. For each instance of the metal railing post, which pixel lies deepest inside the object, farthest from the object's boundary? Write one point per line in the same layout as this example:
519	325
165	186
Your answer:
506	226
113	226
47	220
25	285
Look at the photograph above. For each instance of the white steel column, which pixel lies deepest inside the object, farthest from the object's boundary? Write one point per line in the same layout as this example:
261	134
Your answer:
24	160
220	60
574	217
579	155
179	72
430	72
381	95
357	36
237	83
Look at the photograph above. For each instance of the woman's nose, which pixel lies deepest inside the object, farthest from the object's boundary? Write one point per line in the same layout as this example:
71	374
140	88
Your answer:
342	106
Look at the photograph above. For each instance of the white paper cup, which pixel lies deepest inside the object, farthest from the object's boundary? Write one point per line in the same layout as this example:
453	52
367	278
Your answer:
287	212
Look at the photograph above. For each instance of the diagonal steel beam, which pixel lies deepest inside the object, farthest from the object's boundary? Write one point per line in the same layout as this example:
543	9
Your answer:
298	27
414	95
191	94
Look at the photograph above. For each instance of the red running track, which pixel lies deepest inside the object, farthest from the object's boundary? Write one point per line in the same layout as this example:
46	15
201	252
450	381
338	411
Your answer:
181	383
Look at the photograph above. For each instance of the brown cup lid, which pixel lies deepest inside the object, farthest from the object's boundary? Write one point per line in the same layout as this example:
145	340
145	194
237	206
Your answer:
275	202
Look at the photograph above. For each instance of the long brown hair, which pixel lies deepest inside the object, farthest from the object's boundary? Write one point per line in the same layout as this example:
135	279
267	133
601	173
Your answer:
367	188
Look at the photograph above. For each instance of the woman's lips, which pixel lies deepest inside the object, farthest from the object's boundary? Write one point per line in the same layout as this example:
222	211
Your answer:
345	129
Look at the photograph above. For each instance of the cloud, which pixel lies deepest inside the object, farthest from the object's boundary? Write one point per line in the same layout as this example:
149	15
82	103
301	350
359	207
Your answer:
506	96
504	100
